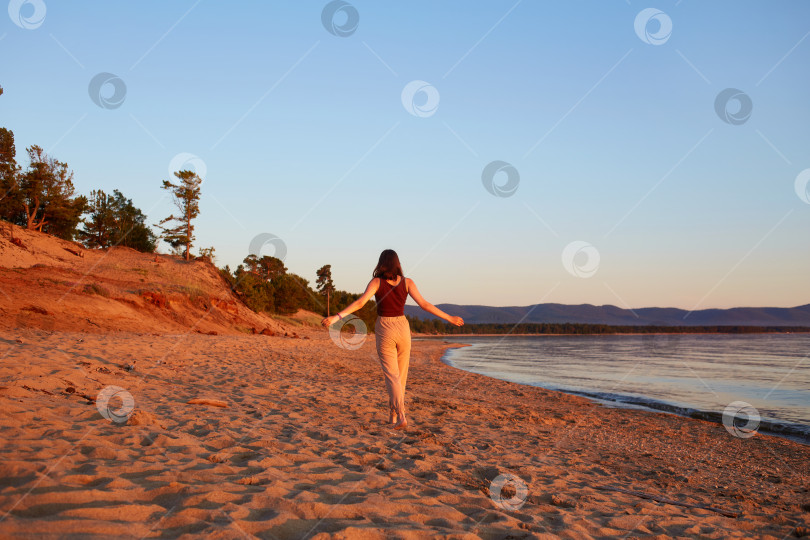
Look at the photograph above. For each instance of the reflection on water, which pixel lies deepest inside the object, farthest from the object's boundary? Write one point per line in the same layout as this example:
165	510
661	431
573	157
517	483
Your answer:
688	374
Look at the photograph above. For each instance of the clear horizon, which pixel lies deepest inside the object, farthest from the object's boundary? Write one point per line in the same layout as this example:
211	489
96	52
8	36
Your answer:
638	155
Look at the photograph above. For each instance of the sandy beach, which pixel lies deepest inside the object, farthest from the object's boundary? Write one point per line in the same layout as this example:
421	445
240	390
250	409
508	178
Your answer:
301	449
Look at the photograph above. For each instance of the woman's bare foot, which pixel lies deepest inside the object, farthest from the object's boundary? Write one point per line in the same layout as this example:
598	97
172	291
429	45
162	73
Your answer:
402	424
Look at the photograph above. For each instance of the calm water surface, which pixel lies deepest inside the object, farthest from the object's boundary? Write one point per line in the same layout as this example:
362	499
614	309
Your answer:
696	375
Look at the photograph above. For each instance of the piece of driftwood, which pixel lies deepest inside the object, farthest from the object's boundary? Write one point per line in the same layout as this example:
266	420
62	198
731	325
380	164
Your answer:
665	500
204	401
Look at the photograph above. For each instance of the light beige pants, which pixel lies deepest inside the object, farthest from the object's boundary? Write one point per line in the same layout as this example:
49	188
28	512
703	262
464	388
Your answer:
393	335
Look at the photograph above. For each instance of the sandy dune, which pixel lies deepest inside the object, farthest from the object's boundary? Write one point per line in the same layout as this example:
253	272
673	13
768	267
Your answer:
53	284
301	450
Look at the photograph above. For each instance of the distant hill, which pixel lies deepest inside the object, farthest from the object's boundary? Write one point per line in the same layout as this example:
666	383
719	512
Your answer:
612	315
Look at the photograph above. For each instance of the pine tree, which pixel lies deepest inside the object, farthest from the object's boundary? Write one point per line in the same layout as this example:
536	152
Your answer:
324	283
267	268
99	227
186	195
114	221
9	170
48	199
10	202
131	229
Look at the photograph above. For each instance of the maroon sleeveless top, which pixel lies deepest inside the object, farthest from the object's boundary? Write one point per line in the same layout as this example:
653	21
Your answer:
391	299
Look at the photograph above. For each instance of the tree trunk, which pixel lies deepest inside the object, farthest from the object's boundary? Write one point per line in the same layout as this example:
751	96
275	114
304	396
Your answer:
188	236
32	224
327	302
29	218
31	221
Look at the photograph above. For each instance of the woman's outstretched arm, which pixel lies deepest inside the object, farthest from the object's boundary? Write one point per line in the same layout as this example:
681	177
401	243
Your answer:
430	308
373	285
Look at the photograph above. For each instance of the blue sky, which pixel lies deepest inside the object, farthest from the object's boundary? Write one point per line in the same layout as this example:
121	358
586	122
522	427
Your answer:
303	134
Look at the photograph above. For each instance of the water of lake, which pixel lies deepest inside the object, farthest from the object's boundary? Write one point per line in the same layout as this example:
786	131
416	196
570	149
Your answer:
694	375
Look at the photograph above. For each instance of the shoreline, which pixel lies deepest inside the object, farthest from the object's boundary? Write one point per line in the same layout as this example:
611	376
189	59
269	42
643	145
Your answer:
796	432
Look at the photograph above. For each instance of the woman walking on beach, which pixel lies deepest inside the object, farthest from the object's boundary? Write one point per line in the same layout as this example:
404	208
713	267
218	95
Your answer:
392	332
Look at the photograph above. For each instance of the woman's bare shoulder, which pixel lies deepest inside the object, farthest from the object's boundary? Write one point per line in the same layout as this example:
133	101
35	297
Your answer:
372	287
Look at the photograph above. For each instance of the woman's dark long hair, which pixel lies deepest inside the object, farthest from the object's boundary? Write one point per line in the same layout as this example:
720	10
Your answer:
388	266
